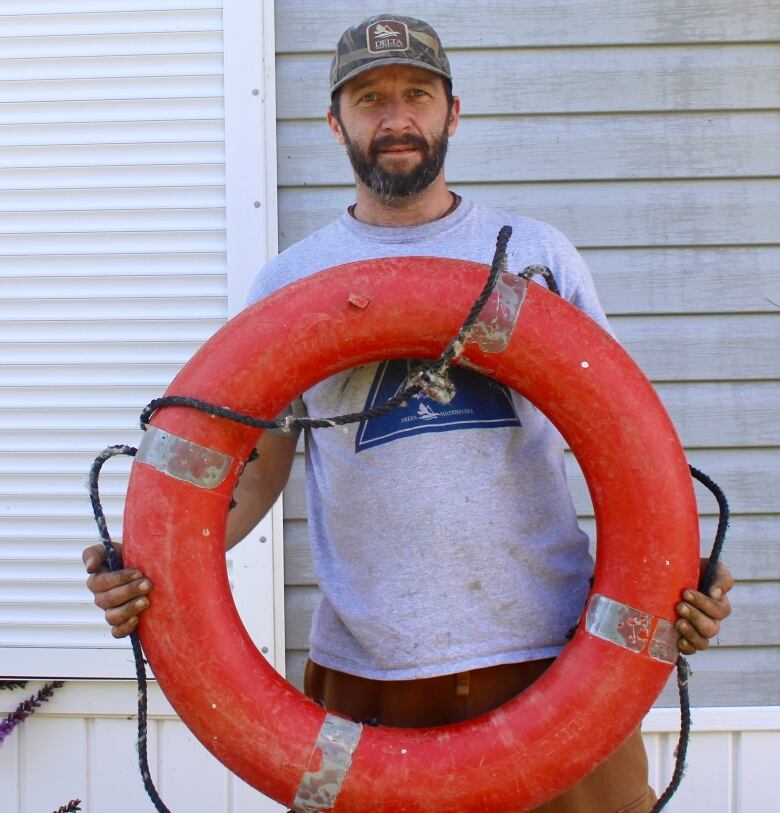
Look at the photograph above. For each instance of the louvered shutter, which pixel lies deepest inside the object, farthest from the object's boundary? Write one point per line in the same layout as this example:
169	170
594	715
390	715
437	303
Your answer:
113	270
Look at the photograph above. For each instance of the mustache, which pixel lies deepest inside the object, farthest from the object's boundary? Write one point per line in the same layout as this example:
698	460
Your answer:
385	142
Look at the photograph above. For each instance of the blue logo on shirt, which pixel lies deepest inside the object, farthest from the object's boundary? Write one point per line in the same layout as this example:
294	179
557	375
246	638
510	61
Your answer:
479	403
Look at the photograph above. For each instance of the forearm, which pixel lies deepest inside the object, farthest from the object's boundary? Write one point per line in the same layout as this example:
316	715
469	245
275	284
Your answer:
259	486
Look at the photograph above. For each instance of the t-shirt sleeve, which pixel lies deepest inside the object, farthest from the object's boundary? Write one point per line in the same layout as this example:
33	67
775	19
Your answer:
577	284
543	244
262	285
586	298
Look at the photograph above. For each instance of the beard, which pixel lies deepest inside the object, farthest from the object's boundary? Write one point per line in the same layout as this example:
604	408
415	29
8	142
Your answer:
387	184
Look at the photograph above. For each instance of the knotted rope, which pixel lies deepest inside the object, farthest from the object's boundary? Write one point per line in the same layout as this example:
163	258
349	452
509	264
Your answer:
434	382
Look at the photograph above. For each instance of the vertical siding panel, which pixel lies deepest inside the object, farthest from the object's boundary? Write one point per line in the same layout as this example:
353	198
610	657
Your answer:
708	774
82	745
54	762
182	760
653	746
10	786
758	759
119	777
665	761
735	744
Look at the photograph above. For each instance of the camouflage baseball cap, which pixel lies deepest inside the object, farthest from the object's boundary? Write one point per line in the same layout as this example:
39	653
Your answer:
387	39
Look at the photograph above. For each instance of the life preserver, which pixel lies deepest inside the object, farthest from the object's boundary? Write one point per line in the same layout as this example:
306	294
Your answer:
580	710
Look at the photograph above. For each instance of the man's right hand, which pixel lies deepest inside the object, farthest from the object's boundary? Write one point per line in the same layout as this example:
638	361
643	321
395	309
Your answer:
122	594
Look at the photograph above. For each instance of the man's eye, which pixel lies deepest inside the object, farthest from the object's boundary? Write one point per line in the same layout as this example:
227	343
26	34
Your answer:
368	97
417	92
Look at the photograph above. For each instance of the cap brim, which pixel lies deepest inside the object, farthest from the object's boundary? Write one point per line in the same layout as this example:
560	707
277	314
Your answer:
380	63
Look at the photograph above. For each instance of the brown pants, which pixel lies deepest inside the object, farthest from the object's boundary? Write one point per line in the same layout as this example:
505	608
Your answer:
618	785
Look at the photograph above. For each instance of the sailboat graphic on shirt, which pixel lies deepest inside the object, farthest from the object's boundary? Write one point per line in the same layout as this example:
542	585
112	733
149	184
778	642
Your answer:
479	403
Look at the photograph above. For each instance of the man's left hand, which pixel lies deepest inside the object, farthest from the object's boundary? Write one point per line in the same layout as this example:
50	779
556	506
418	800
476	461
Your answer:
700	614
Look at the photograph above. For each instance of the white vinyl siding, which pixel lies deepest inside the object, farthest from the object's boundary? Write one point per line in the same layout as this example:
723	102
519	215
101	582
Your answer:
648	134
113	272
88	733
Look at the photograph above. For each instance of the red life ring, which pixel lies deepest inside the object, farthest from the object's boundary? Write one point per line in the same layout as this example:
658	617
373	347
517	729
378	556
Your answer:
580	710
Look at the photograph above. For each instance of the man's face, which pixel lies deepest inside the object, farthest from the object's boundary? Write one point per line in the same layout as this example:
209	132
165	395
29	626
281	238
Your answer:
395	122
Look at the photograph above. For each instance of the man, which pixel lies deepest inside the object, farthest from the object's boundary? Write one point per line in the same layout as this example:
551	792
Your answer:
445	539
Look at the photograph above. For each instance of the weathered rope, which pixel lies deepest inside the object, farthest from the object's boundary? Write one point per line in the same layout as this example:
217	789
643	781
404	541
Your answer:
683	669
433	381
720	535
429	378
683	675
113	563
94	497
543	271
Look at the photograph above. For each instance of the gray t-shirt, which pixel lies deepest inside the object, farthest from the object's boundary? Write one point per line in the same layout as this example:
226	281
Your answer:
444	537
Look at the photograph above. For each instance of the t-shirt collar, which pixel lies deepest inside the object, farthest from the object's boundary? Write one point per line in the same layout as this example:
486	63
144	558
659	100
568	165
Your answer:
407	234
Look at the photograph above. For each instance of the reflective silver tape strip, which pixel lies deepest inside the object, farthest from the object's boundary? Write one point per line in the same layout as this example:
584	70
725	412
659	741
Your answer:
182	459
332	754
663	645
496	323
631	628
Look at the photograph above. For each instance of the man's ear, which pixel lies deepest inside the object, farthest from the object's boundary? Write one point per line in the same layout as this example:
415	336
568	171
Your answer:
335	126
452	124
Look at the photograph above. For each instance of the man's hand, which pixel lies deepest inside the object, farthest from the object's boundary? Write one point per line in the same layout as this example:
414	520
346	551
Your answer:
123	594
700	614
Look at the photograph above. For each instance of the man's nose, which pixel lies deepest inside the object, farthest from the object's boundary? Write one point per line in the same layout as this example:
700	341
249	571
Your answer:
396	117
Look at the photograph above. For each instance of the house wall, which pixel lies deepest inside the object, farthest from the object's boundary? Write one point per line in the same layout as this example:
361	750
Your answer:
133	217
647	133
113	265
81	745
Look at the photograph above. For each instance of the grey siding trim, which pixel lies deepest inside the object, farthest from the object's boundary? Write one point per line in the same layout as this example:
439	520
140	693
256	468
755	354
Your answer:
517	149
530	23
639	79
648	136
597	214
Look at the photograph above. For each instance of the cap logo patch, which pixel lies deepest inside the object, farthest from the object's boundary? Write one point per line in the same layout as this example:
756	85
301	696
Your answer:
387	35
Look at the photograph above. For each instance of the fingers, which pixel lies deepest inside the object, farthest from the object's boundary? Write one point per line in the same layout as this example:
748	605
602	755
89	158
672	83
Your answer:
94	557
686	647
122	594
122	588
700	618
722	581
123	630
123	617
701	614
692	639
124	603
107	580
